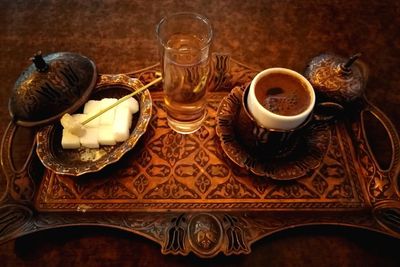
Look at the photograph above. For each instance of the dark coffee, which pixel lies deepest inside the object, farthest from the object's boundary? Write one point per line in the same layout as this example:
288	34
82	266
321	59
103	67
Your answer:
282	94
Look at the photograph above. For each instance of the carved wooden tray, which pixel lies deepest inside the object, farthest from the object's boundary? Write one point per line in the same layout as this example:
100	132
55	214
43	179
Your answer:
184	193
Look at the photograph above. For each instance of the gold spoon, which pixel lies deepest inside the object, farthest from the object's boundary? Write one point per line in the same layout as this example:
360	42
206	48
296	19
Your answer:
76	128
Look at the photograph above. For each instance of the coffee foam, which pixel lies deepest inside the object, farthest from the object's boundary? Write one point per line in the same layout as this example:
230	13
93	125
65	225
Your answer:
282	94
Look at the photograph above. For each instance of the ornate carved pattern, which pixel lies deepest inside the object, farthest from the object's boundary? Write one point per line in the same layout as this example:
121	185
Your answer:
228	73
232	189
12	218
192	168
175	239
202	202
205	234
387	212
172	189
333	81
381	183
203	183
235	234
110	190
23	186
141	183
172	147
19	183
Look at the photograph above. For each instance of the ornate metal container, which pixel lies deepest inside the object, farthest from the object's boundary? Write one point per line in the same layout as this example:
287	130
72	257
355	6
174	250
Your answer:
51	86
336	78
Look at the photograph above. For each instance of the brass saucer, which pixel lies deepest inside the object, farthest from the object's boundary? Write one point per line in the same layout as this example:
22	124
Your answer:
306	156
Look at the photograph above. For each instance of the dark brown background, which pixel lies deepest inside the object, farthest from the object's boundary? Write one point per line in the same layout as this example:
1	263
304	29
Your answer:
119	37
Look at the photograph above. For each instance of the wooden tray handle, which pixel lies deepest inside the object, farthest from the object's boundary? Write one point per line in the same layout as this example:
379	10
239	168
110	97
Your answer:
384	180
382	184
19	183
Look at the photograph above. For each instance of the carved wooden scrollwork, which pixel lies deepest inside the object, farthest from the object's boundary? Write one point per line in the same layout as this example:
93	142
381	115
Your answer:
183	191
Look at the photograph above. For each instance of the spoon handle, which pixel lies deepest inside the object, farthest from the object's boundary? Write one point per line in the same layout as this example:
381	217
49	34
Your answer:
121	100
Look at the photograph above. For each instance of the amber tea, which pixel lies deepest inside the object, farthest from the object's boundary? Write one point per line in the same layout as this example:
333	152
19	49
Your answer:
185	75
185	40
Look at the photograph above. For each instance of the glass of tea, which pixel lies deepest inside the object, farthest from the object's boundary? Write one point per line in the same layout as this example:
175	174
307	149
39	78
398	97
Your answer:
184	44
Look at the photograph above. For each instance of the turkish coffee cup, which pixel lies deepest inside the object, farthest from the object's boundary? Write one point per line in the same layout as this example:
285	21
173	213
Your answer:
275	107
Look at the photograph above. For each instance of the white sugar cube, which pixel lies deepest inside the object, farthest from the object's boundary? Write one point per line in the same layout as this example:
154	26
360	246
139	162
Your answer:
106	135
132	104
69	141
89	139
122	123
79	117
107	118
108	129
92	107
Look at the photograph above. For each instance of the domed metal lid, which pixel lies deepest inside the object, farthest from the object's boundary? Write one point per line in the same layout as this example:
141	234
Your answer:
336	78
51	86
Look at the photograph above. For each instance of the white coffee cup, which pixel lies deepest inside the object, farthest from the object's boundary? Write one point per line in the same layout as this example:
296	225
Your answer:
267	118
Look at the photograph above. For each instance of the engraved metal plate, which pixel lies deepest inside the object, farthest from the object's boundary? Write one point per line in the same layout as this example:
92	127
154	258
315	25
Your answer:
183	192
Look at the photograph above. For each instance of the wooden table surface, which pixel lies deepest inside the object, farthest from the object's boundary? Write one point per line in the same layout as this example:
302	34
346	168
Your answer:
119	36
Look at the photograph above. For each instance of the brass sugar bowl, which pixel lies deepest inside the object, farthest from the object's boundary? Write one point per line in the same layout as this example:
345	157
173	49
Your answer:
336	78
53	85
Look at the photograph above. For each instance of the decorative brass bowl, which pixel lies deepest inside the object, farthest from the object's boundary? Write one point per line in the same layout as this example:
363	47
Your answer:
77	162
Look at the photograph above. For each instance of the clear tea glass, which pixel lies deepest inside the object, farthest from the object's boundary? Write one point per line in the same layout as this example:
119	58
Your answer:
184	40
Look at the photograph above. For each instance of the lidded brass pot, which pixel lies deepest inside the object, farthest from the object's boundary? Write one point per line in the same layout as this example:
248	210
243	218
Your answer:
336	78
53	85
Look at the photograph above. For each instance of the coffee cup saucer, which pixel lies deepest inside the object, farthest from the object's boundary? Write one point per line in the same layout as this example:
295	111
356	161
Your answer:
306	156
